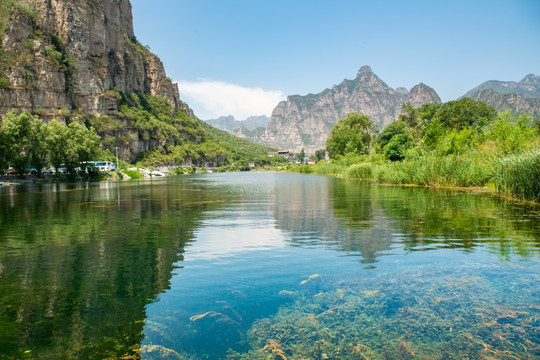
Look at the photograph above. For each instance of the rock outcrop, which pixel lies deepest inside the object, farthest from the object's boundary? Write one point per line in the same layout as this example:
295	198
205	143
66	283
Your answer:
61	56
305	121
518	97
516	103
75	52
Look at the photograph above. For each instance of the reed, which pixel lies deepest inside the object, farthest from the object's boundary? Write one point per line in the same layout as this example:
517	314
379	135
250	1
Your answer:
519	176
432	170
363	171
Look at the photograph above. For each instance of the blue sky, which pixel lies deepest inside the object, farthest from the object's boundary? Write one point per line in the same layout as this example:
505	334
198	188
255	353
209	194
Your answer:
241	57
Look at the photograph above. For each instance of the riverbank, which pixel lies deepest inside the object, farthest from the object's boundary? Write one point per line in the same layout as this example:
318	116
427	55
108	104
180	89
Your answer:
516	176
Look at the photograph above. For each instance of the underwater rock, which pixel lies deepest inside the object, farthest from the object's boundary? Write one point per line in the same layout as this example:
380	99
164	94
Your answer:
310	278
159	352
217	317
287	293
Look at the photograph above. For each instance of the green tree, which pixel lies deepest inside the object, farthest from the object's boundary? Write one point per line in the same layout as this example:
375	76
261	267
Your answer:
301	155
37	149
82	144
466	112
320	154
18	137
56	140
352	134
396	148
398	127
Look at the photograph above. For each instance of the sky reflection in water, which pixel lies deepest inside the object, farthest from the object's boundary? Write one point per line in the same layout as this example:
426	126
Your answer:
250	265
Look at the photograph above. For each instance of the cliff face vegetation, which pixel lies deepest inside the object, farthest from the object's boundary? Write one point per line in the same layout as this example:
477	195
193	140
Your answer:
79	60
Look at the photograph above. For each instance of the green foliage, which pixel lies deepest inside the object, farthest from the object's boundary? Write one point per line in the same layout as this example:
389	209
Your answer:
362	171
320	154
57	52
511	137
352	134
398	127
519	176
134	174
466	112
301	155
397	147
453	144
26	141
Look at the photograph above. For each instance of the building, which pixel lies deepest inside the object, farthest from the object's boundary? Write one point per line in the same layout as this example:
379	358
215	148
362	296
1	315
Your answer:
286	154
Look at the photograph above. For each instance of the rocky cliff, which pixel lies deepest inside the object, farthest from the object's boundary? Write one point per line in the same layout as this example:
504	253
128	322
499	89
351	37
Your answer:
518	97
61	56
305	121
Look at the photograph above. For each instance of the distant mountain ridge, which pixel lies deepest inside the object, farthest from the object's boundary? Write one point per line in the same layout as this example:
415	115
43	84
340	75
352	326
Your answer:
528	87
518	97
304	122
231	125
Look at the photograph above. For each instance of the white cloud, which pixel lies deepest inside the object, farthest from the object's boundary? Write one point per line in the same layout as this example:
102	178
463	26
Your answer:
212	99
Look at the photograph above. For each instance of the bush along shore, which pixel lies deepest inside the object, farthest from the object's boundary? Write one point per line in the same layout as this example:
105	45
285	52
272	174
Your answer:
462	143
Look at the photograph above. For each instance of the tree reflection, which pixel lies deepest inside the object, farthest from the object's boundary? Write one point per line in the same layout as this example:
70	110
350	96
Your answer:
78	266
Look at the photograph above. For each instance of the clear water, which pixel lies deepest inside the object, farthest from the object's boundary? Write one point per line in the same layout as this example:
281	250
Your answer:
266	266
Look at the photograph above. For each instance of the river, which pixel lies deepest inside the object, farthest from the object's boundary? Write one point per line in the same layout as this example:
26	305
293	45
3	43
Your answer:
266	266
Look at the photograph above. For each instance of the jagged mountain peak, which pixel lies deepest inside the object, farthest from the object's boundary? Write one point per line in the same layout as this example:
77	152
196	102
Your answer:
305	121
366	69
421	94
531	79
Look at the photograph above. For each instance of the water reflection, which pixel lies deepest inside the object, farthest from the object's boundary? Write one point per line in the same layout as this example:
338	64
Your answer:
190	267
79	263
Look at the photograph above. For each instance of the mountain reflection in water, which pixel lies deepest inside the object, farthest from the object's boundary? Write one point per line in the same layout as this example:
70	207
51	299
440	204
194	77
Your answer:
212	267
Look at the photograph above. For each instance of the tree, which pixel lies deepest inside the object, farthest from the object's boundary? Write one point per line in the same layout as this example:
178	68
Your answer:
56	139
320	154
352	134
466	112
37	149
17	133
397	147
81	145
301	155
398	127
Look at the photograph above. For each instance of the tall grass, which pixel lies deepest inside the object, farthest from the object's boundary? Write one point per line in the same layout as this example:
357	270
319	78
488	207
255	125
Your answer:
519	176
362	171
432	170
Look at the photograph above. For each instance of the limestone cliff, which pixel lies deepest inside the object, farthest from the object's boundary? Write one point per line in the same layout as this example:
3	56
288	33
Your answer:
60	56
305	121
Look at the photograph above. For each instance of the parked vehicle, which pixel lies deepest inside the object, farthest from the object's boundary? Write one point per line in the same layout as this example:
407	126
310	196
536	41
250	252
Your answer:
31	170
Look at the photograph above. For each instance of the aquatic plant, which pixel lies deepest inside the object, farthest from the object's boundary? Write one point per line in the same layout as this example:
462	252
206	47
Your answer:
427	314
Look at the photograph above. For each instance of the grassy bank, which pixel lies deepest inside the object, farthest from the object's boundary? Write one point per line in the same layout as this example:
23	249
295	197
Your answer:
462	143
517	176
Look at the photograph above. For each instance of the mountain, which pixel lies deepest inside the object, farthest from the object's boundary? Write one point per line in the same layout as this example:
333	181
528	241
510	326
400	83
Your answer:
528	87
305	121
518	97
68	54
230	124
79	60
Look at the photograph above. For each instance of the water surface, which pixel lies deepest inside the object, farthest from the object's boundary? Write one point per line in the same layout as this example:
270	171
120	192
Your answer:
266	265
